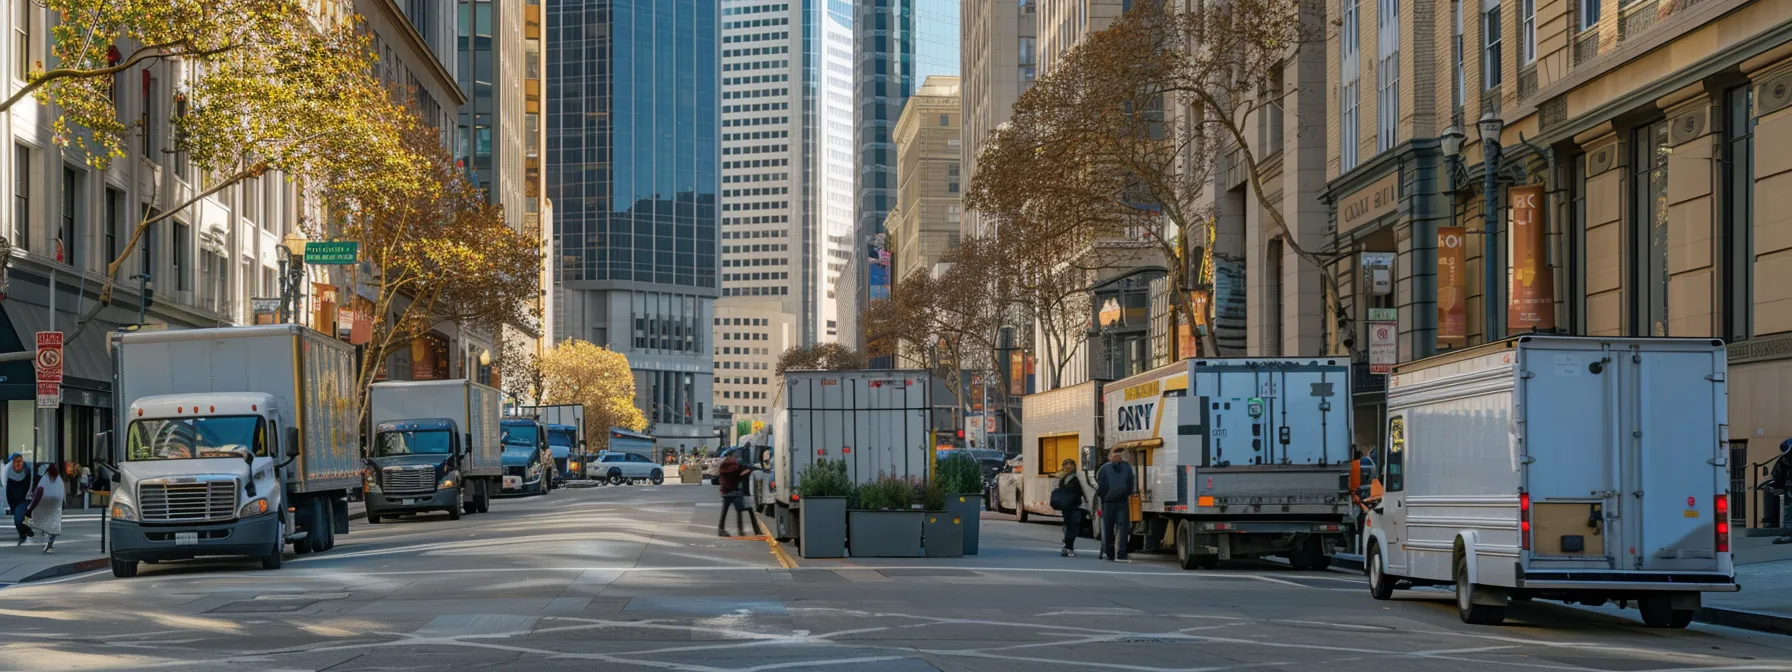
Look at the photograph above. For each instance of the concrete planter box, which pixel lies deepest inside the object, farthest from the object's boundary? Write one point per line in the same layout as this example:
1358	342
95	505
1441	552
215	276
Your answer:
690	474
969	510
942	535
823	527
884	534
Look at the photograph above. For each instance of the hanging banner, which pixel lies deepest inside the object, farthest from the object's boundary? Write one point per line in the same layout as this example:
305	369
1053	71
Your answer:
1532	284
1452	287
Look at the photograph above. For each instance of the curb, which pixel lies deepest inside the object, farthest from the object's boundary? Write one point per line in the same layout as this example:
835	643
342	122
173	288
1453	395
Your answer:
1746	620
90	564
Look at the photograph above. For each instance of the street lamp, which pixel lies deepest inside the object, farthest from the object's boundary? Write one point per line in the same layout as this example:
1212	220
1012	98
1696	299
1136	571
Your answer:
1490	127
292	271
1451	142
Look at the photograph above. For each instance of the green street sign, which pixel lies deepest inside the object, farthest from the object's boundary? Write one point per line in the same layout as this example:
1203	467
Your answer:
336	252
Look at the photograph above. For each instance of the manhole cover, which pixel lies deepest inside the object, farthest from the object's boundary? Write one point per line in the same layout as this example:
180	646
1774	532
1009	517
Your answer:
927	573
262	606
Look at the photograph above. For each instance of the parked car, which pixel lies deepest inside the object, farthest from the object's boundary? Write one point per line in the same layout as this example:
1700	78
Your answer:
619	468
1004	489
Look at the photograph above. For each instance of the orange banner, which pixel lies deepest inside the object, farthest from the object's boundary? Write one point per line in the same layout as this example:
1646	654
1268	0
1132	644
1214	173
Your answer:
1452	287
1532	302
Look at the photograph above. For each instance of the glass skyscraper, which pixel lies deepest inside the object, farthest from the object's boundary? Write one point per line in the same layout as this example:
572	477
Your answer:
632	171
897	44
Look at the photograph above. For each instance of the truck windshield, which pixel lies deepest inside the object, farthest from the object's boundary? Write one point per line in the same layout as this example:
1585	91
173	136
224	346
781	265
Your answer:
196	438
519	452
561	436
518	435
422	442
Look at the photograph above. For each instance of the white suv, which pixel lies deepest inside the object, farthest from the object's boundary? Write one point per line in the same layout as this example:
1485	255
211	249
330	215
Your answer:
619	468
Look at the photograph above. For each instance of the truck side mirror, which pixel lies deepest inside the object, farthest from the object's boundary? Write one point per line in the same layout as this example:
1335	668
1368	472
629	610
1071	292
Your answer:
292	442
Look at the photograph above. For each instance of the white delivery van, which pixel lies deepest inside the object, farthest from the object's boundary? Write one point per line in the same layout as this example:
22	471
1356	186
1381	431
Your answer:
1571	468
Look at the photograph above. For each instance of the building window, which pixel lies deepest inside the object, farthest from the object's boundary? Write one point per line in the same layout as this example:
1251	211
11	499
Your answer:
146	116
149	248
183	239
1490	40
1270	136
1349	92
114	222
180	145
1589	13
1739	216
1460	85
21	38
1649	231
1527	31
952	179
21	190
68	239
1387	73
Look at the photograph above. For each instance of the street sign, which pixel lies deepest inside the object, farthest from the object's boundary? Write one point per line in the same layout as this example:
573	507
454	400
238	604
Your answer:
1384	347
332	253
49	395
49	357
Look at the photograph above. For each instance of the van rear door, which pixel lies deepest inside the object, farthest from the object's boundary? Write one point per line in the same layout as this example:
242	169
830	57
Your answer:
1671	471
1569	416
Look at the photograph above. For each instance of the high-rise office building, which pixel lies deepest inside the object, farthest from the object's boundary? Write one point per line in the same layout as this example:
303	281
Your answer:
999	56
786	188
897	43
633	171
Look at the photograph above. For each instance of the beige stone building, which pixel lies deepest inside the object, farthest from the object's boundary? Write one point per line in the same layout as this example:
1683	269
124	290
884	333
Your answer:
998	54
929	179
1062	24
1635	179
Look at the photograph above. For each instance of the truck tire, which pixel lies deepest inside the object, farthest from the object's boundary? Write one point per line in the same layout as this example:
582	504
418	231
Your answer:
276	555
124	569
460	503
1659	612
1381	586
1308	555
1185	555
1471	613
329	528
485	497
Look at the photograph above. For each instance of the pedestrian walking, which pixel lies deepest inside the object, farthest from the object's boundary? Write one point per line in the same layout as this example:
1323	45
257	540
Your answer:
1115	483
1067	498
732	477
1781	479
18	488
45	510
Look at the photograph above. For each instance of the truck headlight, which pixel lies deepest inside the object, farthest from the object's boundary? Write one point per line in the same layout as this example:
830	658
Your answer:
122	511
253	508
448	482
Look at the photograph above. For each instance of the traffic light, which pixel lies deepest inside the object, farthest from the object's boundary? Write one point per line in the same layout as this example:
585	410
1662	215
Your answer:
959	434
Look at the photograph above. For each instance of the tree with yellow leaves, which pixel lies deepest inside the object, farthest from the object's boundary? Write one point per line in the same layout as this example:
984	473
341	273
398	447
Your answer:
577	372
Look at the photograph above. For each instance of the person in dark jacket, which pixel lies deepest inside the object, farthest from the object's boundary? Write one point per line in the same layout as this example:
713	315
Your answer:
1115	483
1068	497
1780	479
732	477
18	487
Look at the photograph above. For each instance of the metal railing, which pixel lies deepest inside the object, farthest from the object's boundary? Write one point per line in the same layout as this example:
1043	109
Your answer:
1363	382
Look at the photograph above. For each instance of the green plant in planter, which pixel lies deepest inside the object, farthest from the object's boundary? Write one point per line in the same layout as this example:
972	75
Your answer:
933	497
825	478
887	492
958	474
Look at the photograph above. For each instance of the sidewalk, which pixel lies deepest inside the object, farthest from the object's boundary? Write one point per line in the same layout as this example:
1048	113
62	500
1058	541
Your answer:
77	550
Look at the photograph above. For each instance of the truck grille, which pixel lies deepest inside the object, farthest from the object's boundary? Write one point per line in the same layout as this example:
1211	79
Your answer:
187	501
410	479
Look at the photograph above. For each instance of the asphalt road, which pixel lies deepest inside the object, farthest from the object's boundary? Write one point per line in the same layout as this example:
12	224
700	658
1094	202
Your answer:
634	578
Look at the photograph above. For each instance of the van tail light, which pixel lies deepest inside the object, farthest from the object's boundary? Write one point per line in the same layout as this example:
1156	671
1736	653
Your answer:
1723	523
1524	520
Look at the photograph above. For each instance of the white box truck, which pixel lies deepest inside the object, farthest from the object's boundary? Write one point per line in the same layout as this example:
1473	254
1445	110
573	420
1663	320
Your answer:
435	448
878	422
236	441
1568	468
1237	457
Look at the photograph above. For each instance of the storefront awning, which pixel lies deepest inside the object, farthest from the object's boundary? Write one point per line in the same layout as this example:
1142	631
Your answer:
85	362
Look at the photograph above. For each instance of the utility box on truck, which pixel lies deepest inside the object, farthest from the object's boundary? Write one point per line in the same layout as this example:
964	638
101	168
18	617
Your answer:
235	441
877	422
435	447
1555	467
1238	457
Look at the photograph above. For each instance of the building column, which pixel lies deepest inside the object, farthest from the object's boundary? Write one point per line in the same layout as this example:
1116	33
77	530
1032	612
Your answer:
1692	280
1605	241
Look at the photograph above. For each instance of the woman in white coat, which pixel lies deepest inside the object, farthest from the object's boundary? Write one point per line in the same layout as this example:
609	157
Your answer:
45	512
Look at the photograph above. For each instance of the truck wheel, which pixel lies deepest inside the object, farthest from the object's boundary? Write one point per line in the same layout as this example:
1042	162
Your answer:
460	502
1471	613
124	569
1185	555
276	555
1381	586
484	497
657	478
329	529
1659	612
1308	555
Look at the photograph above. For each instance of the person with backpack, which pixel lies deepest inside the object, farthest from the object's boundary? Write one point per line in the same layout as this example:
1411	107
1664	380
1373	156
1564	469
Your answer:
732	479
1067	497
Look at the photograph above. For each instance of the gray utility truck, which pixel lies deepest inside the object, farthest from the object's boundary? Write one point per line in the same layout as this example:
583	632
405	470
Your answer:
435	448
236	441
875	421
1237	457
565	425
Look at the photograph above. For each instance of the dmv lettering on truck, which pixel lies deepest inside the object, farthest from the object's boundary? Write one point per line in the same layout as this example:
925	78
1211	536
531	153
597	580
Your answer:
1568	468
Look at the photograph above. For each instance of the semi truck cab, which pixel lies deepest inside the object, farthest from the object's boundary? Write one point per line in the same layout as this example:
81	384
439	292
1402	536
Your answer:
202	475
414	466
